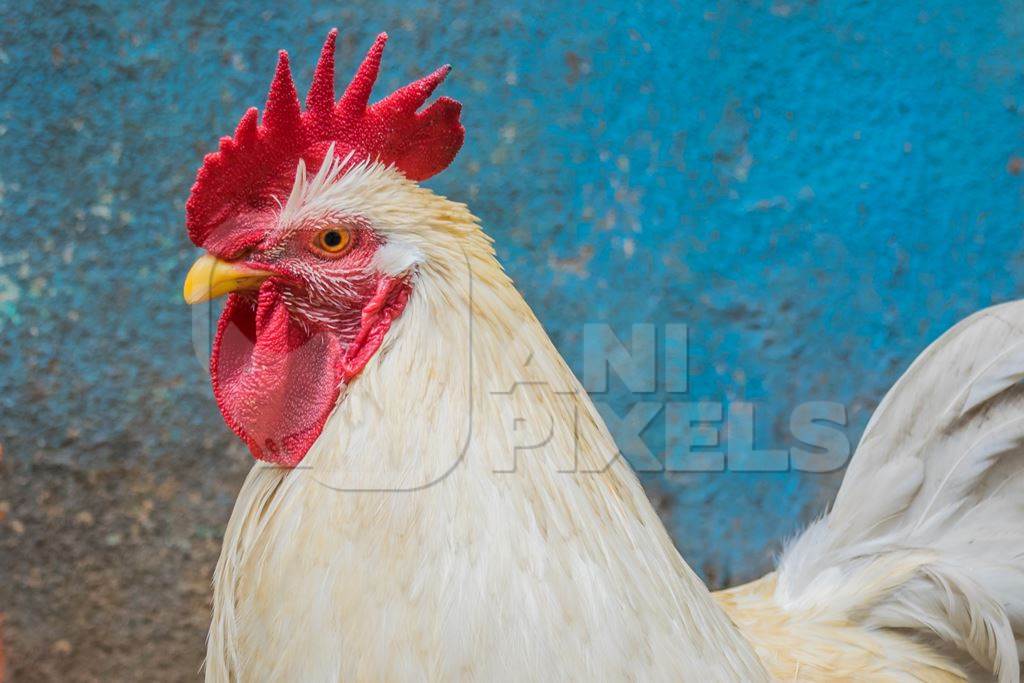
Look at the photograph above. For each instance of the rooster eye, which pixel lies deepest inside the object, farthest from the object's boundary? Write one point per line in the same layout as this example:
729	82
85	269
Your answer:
332	240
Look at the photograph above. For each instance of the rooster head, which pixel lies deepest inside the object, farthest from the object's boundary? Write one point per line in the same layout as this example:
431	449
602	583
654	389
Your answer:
291	212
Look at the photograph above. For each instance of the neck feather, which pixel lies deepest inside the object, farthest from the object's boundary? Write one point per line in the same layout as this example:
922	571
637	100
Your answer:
470	403
466	480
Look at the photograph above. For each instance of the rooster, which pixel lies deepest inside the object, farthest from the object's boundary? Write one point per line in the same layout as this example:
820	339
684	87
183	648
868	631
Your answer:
383	370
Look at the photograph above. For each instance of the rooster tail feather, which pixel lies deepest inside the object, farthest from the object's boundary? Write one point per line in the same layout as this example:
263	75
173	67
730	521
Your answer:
927	531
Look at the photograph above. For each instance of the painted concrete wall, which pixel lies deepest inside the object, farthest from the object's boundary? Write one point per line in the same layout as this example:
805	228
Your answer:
817	189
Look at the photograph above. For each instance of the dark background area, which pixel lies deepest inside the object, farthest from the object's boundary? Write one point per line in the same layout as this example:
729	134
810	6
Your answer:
818	189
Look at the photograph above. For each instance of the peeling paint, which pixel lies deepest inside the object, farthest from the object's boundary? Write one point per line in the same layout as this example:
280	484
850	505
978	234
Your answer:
9	295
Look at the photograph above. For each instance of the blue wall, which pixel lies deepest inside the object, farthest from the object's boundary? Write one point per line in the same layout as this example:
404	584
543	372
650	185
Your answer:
818	189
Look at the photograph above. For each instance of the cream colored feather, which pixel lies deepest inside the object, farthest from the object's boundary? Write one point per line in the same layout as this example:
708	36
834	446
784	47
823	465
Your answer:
927	532
465	515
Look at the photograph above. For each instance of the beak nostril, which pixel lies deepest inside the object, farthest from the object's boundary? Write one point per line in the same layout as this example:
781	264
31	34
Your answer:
242	254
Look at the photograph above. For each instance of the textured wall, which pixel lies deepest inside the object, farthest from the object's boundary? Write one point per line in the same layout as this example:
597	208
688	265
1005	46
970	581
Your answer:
817	189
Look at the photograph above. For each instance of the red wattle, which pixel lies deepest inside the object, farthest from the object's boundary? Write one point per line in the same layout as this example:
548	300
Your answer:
378	314
276	382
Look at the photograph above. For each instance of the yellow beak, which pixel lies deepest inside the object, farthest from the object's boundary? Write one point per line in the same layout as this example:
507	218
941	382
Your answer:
209	278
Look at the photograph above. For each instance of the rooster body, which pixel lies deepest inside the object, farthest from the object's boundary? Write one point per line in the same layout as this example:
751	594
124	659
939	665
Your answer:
537	568
463	513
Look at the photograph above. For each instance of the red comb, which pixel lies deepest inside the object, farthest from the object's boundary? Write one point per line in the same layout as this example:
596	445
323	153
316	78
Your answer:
259	162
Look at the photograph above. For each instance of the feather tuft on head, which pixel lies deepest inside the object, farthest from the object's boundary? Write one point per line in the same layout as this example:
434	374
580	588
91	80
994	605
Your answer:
254	167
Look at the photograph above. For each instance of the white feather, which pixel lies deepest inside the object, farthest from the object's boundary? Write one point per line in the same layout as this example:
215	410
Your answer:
927	532
420	541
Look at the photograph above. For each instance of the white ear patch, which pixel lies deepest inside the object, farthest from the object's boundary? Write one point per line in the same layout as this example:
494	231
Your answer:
395	258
